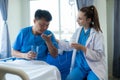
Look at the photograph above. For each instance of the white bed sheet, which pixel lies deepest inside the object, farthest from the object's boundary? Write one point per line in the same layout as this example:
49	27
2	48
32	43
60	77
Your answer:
36	70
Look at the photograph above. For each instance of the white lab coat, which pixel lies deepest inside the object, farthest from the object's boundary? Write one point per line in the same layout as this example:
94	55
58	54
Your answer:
95	54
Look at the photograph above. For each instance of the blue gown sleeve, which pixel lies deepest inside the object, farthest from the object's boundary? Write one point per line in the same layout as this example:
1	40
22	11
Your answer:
54	41
18	41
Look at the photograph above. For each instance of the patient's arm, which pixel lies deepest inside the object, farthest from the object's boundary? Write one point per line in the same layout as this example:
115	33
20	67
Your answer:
52	49
29	55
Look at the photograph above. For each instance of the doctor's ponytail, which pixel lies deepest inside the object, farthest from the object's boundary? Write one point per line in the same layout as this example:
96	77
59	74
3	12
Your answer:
91	12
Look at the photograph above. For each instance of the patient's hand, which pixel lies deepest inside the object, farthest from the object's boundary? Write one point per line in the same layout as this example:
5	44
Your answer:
30	55
46	37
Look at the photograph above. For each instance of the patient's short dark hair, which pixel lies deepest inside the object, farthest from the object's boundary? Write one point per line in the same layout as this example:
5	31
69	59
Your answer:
39	14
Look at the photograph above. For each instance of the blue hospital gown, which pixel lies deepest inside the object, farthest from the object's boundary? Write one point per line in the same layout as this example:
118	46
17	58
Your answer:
26	39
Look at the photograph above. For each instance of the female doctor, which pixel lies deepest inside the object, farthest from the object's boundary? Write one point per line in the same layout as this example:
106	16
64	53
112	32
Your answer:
88	46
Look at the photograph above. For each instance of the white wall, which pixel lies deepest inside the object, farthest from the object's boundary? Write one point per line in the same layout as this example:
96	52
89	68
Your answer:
14	18
25	8
18	16
110	28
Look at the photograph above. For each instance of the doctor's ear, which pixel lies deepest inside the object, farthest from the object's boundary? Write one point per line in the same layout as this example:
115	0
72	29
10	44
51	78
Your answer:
57	40
88	20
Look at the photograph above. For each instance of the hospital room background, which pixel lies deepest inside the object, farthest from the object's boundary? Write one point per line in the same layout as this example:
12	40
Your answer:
64	12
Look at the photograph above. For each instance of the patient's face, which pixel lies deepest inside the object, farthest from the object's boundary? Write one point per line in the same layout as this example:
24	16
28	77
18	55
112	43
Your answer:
41	25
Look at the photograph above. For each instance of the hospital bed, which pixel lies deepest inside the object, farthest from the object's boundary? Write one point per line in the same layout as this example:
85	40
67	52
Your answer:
20	69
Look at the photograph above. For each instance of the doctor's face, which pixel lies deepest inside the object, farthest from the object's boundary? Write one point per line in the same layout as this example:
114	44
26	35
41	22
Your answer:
82	20
41	25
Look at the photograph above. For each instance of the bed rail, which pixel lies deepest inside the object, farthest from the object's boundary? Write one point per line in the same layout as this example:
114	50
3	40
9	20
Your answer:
6	69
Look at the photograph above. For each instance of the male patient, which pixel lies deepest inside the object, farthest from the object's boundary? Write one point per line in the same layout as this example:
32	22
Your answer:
35	42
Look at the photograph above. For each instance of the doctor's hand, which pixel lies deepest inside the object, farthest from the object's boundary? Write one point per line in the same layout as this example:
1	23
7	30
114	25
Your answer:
78	47
47	38
30	55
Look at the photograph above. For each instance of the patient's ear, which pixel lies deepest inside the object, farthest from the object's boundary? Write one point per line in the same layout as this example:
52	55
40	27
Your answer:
34	20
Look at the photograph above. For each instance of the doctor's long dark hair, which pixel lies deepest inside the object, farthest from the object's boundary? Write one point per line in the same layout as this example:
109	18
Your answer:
91	12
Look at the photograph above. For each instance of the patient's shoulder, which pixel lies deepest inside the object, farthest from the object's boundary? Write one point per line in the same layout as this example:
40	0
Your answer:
26	29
